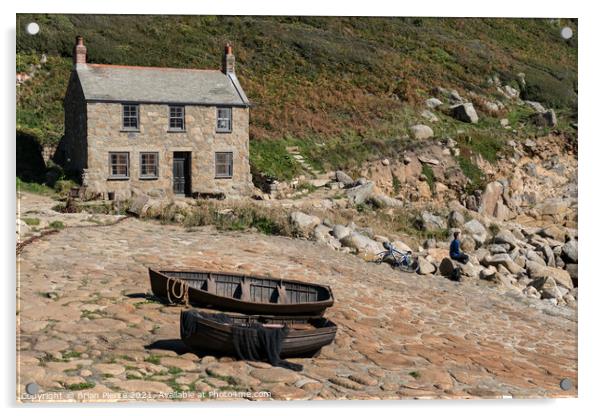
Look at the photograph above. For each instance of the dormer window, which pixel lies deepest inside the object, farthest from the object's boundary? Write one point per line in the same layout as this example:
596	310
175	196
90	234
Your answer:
130	117
176	118
224	119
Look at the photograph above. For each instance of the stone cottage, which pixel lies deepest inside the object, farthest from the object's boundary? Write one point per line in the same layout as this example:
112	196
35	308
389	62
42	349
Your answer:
157	130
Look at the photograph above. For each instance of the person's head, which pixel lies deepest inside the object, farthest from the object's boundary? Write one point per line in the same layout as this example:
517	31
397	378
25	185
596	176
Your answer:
456	235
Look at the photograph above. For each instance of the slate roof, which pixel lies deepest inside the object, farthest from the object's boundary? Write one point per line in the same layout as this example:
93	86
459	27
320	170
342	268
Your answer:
160	85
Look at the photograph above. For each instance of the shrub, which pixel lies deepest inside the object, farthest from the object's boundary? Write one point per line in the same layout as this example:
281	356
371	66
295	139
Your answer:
307	186
430	175
271	159
31	221
57	225
62	187
33	187
487	145
472	172
552	90
236	216
396	184
494	229
81	386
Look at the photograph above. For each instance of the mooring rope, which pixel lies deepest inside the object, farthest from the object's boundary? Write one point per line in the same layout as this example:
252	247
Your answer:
182	296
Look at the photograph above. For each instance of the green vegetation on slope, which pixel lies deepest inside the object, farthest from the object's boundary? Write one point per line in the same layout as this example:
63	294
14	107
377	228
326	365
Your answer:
345	88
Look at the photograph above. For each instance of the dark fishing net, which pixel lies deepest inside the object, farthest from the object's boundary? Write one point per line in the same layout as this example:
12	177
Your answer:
252	342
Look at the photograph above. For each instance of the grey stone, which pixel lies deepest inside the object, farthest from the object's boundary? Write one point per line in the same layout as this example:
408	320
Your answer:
431	222
570	252
533	256
401	246
342	177
562	277
425	266
455	219
547	287
488	273
428	160
383	201
468	244
469	270
546	119
433	102
362	244
489	200
429	116
475	229
421	132
510	92
573	271
506	237
340	231
553	231
504	260
321	233
536	106
361	193
465	112
497	249
137	205
303	223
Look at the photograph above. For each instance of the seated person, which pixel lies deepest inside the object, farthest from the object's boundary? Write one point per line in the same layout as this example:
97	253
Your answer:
454	249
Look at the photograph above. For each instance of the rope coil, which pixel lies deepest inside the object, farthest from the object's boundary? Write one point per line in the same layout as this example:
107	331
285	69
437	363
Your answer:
181	297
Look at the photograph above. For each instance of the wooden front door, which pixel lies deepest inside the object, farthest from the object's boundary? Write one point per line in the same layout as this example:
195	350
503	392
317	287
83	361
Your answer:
181	173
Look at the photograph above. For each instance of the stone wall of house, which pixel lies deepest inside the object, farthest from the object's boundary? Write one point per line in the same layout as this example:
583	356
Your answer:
200	138
73	147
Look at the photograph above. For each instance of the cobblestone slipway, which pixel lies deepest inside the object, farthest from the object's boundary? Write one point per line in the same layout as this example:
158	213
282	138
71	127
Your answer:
86	329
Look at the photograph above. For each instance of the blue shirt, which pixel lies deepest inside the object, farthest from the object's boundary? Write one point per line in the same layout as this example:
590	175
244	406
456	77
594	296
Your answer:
454	248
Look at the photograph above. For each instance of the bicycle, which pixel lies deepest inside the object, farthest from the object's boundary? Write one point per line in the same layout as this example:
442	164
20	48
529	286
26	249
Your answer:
397	259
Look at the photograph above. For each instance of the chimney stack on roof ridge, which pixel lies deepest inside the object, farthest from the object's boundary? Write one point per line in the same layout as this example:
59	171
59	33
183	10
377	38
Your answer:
228	60
79	51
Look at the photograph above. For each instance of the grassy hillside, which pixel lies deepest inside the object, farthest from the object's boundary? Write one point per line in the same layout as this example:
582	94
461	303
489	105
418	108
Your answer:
344	89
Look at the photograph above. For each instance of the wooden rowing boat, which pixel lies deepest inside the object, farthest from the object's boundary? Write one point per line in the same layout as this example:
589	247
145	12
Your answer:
204	333
241	293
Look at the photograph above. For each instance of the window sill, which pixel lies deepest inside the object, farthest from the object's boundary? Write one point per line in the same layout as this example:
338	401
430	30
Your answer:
223	131
223	177
129	131
118	178
148	178
176	131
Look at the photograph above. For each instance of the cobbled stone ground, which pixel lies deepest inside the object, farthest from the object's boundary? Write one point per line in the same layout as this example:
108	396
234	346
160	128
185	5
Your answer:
87	329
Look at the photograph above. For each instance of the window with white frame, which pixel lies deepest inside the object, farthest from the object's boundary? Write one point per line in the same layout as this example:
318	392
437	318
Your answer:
224	119
149	165
119	164
176	118
223	164
130	117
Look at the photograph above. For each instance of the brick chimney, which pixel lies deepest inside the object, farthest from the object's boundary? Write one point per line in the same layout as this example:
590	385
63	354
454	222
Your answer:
228	60
79	51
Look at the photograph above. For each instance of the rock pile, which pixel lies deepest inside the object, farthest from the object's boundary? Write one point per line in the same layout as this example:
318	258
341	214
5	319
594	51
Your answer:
346	238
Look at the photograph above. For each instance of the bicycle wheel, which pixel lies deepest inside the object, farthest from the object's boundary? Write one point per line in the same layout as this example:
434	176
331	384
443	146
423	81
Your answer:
409	268
408	264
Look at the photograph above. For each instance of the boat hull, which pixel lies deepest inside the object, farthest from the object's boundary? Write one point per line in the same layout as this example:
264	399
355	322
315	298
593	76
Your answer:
241	293
208	336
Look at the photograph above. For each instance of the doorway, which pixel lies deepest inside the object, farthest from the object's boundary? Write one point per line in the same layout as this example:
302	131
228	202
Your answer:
181	173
